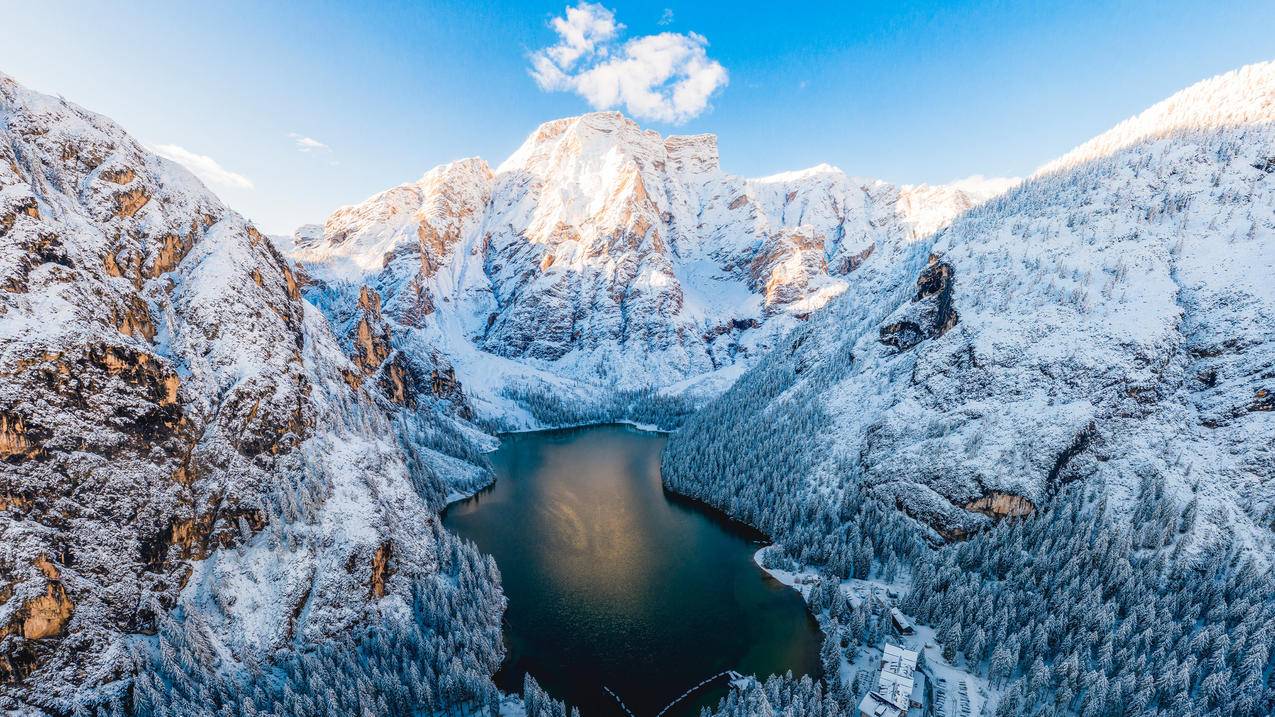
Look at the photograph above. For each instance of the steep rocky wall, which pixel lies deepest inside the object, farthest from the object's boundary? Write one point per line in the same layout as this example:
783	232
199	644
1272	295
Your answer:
173	417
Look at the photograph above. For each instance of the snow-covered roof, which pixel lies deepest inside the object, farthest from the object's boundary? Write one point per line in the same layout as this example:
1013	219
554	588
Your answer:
898	660
895	683
874	705
900	619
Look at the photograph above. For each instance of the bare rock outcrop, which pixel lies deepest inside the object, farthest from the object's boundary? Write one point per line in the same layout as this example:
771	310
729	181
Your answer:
371	333
998	504
930	315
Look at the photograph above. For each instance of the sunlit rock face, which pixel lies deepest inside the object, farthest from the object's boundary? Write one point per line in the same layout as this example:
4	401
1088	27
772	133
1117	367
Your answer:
178	428
605	254
108	257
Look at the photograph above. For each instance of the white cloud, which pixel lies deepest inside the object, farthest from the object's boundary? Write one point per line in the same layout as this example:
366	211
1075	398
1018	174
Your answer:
580	33
666	77
203	166
307	144
666	18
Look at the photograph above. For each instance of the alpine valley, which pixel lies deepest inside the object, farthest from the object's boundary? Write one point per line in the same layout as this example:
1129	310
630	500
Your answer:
1032	420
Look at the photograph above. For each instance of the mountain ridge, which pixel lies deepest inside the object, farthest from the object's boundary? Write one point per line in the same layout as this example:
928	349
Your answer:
603	255
1070	313
187	452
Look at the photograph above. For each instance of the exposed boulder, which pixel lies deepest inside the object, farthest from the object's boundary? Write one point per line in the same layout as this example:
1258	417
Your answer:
930	314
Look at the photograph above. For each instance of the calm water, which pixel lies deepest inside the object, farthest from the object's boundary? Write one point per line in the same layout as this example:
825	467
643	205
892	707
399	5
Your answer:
611	581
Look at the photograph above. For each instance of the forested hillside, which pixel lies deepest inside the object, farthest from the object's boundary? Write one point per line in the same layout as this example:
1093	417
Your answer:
1055	415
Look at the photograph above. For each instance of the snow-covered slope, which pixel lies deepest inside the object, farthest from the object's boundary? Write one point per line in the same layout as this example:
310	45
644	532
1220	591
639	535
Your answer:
179	429
1107	320
600	256
1235	99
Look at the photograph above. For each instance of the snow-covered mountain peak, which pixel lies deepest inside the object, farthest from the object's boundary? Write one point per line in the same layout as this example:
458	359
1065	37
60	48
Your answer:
981	188
165	386
930	207
1240	97
589	135
453	188
461	169
819	170
360	239
610	255
307	235
1105	320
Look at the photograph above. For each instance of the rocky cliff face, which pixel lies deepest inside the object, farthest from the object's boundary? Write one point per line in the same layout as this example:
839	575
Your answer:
606	255
167	396
1107	320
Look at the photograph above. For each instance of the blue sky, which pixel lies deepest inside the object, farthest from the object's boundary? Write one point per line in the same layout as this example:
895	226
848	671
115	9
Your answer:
905	91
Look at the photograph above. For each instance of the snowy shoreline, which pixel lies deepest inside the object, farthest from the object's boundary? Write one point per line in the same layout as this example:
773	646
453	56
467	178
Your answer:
783	576
645	427
980	694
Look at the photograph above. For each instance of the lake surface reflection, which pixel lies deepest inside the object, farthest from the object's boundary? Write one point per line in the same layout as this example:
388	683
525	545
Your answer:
612	581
